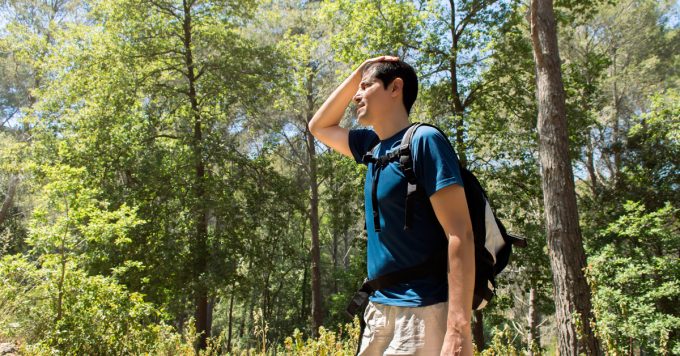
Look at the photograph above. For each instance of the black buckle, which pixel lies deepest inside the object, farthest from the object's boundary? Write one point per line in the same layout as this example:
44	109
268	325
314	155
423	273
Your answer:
357	303
367	158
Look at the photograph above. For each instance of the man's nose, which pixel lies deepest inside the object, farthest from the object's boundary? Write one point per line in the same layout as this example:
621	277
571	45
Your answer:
357	97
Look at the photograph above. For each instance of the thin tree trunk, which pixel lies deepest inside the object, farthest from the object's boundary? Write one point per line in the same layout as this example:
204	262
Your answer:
303	288
336	246
533	340
242	322
200	250
478	330
336	239
231	318
616	130
317	306
567	256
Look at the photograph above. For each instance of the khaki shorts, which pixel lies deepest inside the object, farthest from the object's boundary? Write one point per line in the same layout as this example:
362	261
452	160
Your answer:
394	330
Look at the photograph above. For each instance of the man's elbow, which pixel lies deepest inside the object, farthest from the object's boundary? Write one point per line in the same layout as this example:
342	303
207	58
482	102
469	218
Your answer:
461	238
313	126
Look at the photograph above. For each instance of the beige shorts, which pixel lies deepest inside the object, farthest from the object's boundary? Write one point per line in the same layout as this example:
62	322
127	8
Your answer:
394	330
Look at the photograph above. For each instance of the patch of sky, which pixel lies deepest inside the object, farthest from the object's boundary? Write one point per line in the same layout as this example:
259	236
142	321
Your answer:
671	19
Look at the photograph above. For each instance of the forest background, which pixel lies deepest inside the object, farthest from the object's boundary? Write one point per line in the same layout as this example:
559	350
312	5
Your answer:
161	192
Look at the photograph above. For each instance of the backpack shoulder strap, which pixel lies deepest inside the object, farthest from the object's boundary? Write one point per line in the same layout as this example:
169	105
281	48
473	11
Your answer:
406	165
405	154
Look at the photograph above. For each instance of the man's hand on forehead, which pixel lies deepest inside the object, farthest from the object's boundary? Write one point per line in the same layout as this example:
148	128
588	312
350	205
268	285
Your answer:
367	63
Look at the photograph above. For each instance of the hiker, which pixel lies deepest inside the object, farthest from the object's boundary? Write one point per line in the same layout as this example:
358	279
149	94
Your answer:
427	315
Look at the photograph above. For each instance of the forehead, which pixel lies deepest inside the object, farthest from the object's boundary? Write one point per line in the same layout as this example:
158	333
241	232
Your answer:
369	74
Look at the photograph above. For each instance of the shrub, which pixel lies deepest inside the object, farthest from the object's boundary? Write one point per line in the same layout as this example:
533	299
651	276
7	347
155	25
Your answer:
83	315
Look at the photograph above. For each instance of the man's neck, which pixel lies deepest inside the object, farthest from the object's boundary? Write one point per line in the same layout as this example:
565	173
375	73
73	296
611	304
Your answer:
390	125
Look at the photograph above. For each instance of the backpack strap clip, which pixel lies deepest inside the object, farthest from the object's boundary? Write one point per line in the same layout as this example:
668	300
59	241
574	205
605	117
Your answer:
368	158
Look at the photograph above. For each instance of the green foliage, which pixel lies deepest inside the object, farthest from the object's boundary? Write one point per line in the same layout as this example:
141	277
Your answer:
342	343
98	120
653	156
635	284
97	315
502	344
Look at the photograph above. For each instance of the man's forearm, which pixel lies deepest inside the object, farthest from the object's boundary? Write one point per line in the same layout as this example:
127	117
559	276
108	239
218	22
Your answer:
450	206
461	280
330	113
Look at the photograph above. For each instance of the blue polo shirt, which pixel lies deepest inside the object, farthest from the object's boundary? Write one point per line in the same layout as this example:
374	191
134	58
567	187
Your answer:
394	248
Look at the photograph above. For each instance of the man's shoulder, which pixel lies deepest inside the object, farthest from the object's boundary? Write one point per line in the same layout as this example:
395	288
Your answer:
428	140
429	133
360	141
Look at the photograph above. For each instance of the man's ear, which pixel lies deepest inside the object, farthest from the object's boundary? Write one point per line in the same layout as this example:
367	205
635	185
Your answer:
397	87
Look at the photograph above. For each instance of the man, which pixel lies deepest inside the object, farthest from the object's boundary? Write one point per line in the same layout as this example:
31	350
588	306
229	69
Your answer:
423	316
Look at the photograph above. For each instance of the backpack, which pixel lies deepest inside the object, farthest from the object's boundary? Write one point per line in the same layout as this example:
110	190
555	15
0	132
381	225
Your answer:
493	244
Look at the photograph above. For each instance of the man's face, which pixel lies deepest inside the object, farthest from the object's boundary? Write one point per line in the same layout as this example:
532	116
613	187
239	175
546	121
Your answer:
372	99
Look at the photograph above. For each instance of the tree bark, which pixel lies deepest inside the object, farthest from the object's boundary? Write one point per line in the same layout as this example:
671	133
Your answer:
317	307
303	288
317	299
533	340
231	318
200	250
567	256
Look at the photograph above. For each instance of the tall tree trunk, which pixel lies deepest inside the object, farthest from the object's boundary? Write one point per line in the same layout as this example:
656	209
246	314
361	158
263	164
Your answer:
231	318
478	330
200	250
617	138
533	340
317	306
336	264
567	256
336	237
303	288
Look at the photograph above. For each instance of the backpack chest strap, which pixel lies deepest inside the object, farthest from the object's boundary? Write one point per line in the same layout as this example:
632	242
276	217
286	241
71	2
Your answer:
402	155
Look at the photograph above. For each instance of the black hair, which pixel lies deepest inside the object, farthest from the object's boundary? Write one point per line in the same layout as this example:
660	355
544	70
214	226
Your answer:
388	71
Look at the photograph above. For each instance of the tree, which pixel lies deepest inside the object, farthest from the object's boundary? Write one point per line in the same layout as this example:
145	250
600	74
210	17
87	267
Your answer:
506	152
634	284
567	255
27	34
149	117
635	254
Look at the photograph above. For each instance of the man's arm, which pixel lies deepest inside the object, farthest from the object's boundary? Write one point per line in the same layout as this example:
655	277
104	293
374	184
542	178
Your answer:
325	125
451	209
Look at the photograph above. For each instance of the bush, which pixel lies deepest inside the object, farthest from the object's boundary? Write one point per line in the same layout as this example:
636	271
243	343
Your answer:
84	314
635	282
344	342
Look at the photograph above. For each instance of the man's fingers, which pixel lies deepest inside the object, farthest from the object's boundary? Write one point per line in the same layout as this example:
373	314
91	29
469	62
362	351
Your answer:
377	60
383	59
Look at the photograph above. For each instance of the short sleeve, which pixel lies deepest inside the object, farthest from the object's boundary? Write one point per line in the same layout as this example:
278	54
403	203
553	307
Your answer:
435	162
360	141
